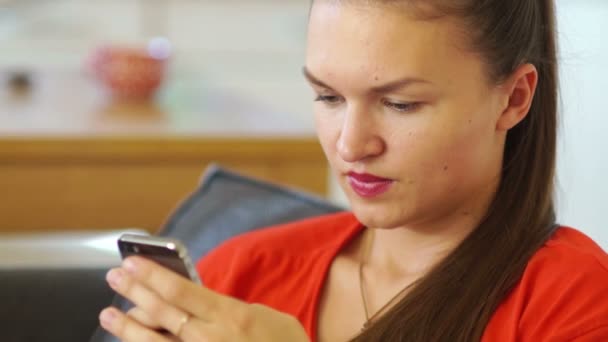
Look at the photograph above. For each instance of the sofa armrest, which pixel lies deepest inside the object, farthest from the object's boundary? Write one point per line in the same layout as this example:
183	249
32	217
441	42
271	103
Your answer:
52	286
52	304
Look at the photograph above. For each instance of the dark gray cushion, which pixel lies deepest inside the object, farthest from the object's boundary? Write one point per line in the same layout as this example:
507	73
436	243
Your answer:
227	204
51	305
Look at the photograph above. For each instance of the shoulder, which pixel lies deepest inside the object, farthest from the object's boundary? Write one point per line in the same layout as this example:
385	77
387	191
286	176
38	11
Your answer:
266	250
568	261
563	292
569	247
292	238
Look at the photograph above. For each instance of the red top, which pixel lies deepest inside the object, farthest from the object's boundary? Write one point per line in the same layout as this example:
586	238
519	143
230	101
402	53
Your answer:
562	296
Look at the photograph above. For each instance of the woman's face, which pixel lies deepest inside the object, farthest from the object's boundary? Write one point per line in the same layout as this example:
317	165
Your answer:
405	113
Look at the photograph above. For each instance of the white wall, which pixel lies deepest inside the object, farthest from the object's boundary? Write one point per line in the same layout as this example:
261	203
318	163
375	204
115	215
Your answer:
582	191
252	50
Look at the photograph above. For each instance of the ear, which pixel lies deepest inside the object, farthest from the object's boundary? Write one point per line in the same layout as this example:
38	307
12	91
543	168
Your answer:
519	89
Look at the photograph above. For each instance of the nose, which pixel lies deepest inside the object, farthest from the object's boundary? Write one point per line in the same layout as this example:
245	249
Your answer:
358	138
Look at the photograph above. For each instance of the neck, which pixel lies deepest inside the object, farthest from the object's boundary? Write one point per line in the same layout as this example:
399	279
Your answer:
404	253
410	251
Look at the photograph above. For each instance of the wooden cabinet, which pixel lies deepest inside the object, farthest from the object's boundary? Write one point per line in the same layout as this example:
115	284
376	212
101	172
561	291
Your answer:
77	162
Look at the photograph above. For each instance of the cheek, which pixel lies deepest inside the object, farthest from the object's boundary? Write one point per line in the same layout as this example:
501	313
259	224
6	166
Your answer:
468	156
444	150
327	132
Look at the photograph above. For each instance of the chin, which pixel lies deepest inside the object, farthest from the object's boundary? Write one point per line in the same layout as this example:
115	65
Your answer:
377	216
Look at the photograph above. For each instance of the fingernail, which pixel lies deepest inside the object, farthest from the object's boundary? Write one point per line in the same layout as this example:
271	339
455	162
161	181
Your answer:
129	265
106	317
114	277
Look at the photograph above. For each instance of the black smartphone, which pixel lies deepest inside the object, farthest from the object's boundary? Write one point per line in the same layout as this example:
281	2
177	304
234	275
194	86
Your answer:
170	253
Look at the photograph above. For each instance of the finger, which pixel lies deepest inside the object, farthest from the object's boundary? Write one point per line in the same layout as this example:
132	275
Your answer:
156	309
177	290
191	330
143	318
199	331
126	328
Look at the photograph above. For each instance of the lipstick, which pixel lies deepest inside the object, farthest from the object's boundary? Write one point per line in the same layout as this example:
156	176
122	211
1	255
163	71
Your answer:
367	185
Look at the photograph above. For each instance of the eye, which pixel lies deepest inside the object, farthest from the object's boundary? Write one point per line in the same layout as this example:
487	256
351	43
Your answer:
329	99
405	107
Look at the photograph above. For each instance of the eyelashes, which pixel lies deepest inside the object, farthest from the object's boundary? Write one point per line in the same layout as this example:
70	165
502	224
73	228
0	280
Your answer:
328	99
401	107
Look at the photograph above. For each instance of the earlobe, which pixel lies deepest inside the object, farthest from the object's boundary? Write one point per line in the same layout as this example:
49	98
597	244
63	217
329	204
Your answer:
521	87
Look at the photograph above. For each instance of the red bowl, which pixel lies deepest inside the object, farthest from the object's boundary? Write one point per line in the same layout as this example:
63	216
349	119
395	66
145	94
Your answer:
129	73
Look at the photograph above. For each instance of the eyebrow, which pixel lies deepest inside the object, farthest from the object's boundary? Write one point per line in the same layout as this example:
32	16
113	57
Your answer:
385	88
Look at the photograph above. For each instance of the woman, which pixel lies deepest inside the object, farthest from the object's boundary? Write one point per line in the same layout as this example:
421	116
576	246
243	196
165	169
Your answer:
439	119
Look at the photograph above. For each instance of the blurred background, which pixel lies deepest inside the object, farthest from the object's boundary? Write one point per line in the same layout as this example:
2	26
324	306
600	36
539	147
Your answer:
110	110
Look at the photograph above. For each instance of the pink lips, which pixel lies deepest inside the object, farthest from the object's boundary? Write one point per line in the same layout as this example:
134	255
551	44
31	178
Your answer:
368	186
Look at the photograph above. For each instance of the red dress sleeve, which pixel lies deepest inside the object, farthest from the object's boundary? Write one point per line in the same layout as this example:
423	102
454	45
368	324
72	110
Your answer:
596	335
562	296
223	268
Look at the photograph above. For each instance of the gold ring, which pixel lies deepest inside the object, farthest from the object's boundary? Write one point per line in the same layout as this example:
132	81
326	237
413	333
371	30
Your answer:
182	322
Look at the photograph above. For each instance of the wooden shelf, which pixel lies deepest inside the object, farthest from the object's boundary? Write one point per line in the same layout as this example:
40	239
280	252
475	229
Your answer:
69	163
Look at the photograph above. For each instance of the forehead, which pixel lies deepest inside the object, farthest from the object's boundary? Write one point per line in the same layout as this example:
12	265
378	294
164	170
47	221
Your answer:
351	37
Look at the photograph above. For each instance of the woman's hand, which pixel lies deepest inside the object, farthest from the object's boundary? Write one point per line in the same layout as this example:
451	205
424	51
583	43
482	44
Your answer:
188	311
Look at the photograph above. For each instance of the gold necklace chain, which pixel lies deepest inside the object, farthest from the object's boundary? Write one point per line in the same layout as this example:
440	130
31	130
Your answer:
368	319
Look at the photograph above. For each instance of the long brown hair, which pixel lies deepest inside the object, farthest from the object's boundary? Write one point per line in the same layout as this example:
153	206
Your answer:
457	298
